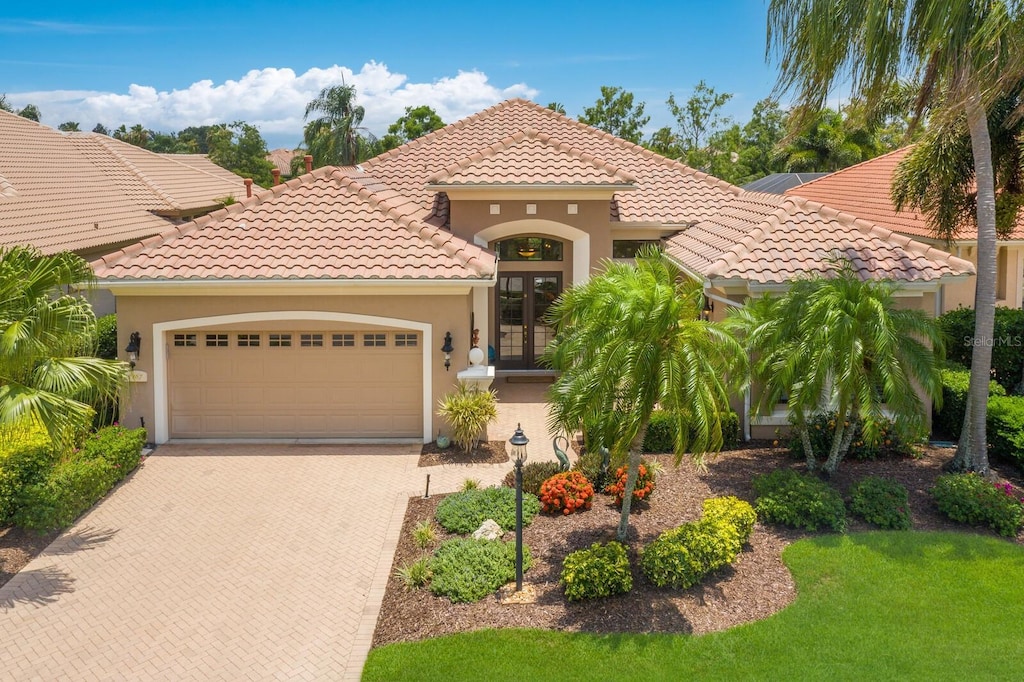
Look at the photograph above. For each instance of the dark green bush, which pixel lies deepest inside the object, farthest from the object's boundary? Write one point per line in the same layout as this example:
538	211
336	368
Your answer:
120	446
467	570
69	489
949	420
682	556
464	512
792	499
106	337
25	459
733	510
601	571
891	443
534	473
969	498
1006	427
590	464
661	432
1008	337
882	502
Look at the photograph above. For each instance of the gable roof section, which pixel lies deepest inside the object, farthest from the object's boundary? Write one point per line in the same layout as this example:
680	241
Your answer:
531	158
667	191
863	190
777	183
334	223
770	239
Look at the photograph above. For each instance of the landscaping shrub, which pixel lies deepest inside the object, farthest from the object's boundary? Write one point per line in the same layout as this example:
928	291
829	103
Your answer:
798	501
69	489
414	574
643	489
25	458
891	443
424	534
1006	427
106	337
949	420
119	446
468	412
881	502
463	512
534	473
601	571
682	556
591	465
467	570
732	510
661	432
969	498
566	492
1007	358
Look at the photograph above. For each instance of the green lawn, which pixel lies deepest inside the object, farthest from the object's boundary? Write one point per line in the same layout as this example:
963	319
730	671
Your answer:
870	606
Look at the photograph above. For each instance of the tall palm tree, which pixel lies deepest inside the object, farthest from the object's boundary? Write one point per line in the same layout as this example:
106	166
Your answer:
962	55
630	340
337	138
44	332
841	342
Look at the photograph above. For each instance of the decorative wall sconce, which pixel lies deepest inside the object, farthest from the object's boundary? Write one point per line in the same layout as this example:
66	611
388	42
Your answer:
447	349
709	307
134	344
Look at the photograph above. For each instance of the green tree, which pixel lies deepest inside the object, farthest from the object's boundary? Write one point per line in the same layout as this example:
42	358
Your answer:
841	342
823	146
101	129
697	119
44	375
557	107
136	135
5	105
615	112
31	112
630	340
964	55
241	149
664	141
69	127
337	138
415	122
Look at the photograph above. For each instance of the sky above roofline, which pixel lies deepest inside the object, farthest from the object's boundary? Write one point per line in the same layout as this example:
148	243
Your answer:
170	65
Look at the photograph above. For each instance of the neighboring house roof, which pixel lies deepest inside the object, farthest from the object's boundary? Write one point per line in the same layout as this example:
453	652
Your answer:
334	223
282	160
770	239
864	190
777	183
83	191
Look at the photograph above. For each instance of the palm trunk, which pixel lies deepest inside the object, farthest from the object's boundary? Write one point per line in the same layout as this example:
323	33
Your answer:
632	472
805	439
985	291
840	443
961	461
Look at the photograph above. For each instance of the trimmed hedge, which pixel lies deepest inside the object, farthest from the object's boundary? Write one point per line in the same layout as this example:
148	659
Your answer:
734	510
106	337
799	501
24	460
119	446
955	385
600	571
70	489
1007	350
1005	424
969	498
682	556
661	434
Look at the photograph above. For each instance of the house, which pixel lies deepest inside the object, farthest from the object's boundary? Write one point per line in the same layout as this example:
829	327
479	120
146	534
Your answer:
282	160
345	302
92	194
863	190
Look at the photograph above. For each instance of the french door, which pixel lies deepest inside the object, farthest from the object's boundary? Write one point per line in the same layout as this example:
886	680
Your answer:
523	302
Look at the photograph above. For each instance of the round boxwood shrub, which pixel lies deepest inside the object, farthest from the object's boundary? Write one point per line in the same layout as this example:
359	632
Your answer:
733	510
792	499
600	571
464	512
534	473
882	502
969	498
566	492
467	570
682	556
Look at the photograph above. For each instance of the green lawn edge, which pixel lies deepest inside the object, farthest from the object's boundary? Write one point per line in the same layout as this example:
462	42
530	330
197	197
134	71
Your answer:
877	605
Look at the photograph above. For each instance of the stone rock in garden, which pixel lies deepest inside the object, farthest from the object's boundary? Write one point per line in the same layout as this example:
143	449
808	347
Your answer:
488	530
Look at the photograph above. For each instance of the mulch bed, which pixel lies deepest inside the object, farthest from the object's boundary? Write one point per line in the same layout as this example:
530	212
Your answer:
487	452
755	587
18	547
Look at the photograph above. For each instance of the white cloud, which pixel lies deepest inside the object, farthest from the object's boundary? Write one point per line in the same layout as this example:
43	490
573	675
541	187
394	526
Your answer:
272	99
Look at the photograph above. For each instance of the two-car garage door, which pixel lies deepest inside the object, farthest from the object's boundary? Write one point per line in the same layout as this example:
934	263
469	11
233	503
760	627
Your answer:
365	383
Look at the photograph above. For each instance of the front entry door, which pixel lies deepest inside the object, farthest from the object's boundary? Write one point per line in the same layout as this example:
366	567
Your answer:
523	302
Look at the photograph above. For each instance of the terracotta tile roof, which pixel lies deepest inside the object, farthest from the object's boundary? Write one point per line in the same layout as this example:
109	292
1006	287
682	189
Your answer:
334	223
771	239
282	159
667	191
863	190
530	157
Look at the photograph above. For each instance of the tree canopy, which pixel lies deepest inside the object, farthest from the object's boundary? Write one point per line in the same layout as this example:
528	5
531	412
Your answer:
616	113
415	122
337	137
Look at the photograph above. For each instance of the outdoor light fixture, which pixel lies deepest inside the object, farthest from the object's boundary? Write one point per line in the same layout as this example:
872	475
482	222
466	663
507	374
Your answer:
447	349
709	307
518	441
134	344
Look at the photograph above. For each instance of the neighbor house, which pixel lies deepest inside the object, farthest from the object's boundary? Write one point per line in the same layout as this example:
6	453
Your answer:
863	191
343	302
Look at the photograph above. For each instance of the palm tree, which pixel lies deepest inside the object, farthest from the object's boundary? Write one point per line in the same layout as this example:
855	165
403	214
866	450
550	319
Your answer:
337	138
840	341
963	55
44	331
631	340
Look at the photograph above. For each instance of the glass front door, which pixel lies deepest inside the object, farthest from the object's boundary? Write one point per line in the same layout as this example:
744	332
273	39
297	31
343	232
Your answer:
523	302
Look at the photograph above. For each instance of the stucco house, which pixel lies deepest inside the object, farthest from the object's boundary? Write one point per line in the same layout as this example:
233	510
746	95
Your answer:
323	306
863	190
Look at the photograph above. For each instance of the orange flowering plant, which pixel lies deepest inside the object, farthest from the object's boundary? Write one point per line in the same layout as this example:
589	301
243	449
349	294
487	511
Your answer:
566	492
641	491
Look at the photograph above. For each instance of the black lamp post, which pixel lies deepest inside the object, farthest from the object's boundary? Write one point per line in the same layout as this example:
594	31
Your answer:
133	347
447	350
518	442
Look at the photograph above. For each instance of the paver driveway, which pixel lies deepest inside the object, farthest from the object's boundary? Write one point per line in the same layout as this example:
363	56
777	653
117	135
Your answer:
221	562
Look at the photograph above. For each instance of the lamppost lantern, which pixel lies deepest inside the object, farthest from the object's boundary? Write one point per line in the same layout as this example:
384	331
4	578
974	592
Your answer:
447	349
518	441
133	347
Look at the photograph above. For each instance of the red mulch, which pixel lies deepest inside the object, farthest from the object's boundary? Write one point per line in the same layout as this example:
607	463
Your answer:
487	452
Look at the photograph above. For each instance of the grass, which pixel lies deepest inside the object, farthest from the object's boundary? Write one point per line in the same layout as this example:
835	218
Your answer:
878	606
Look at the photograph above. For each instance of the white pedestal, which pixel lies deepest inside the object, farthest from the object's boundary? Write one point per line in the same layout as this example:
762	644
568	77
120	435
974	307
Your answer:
479	377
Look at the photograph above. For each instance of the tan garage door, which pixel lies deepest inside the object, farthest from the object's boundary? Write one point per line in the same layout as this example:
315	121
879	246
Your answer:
277	384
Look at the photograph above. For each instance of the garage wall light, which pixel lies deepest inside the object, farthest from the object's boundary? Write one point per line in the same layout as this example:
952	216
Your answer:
447	349
134	344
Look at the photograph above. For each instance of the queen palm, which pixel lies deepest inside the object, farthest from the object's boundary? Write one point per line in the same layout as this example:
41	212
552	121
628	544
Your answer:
45	378
962	55
841	342
337	137
628	341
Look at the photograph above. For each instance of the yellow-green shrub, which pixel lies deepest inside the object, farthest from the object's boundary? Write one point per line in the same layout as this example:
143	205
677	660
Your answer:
733	510
25	458
682	556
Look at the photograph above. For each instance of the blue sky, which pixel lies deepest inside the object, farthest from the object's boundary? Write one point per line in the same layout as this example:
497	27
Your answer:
168	65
